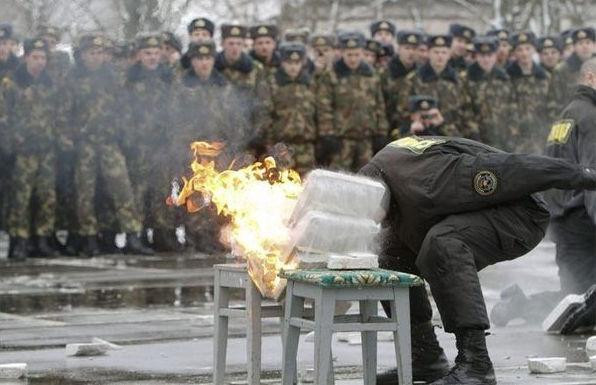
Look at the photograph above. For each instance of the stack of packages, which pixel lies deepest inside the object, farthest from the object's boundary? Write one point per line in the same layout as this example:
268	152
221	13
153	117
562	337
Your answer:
336	221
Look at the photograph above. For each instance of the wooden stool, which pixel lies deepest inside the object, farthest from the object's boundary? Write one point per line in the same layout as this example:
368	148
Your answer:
229	277
368	287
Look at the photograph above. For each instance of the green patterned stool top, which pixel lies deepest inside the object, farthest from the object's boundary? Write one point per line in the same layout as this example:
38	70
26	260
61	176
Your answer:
352	278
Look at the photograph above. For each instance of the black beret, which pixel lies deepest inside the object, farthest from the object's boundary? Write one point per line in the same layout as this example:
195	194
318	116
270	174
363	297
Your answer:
233	30
566	38
201	23
421	103
172	40
292	51
351	40
500	33
486	44
6	31
322	41
382	25
387	50
583	33
548	42
148	41
526	37
410	37
372	45
459	30
32	44
204	48
91	41
122	49
264	30
439	41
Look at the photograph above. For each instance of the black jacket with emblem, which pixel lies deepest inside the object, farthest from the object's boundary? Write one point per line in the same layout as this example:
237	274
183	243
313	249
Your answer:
573	138
431	178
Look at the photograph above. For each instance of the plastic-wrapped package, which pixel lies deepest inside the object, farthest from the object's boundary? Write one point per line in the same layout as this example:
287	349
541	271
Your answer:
324	232
344	194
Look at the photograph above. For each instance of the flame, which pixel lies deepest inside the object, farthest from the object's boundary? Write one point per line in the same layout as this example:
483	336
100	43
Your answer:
258	200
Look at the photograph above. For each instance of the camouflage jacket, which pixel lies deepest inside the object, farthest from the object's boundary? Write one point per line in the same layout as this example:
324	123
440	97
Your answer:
350	104
489	111
393	80
291	109
530	96
148	101
9	66
93	106
563	84
272	66
28	110
447	88
58	67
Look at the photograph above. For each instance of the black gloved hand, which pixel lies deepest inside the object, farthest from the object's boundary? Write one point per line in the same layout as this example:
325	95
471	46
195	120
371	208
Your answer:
327	146
379	142
588	178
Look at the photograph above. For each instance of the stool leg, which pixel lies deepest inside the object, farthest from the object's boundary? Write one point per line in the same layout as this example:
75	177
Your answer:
291	336
400	313
253	333
220	330
369	343
324	312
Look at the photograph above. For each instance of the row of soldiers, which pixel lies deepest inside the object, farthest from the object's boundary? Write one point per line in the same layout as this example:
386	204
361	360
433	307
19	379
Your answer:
92	147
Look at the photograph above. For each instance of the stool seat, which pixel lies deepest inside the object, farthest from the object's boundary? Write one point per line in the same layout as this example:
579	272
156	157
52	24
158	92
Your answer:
352	278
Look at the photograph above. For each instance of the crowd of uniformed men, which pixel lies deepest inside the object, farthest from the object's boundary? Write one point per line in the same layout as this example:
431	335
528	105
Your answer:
91	144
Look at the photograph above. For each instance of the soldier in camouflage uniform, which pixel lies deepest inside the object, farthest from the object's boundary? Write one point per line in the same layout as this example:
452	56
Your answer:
264	50
383	31
489	101
549	50
323	52
59	61
148	90
248	78
461	37
301	35
199	29
504	51
393	78
567	42
530	84
438	79
565	75
291	109
28	109
171	51
372	48
93	101
8	61
350	109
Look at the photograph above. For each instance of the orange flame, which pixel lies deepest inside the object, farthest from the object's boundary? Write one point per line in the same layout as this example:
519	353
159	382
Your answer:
258	199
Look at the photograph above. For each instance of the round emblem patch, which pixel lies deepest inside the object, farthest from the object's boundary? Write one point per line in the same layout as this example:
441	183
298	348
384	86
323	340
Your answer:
485	183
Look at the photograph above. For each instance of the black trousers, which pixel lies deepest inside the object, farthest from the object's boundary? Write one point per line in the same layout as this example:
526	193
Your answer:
459	246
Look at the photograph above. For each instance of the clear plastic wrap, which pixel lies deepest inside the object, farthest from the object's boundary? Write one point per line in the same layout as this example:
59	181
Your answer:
338	193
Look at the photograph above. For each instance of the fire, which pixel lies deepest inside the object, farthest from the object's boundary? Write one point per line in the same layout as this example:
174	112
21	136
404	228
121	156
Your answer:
258	200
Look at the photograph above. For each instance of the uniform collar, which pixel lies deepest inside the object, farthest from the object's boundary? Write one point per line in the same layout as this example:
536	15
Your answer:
275	59
515	71
191	80
137	73
397	69
244	64
282	78
585	92
342	70
23	79
428	74
476	73
574	62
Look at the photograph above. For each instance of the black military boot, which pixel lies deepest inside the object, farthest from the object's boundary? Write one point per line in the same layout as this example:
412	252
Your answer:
73	244
45	248
472	364
583	316
19	249
89	246
166	241
429	362
134	245
107	242
512	305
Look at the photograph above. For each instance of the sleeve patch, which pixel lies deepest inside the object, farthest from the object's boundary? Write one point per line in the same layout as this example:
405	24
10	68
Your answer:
560	131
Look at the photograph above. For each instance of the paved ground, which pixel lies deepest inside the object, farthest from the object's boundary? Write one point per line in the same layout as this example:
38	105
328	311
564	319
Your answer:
159	310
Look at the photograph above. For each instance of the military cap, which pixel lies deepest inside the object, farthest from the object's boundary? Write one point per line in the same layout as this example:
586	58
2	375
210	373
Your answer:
264	30
387	50
501	34
372	45
233	30
172	40
566	38
91	41
382	25
318	41
439	41
459	30
422	103
410	37
109	43
351	40
49	30
122	49
5	31
486	44
204	48
32	44
201	23
583	33
292	51
520	38
148	41
548	42
299	35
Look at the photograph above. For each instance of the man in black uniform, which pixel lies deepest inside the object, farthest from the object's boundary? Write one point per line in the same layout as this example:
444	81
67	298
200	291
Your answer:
458	206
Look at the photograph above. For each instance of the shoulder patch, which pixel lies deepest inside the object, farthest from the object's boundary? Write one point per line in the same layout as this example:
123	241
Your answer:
416	144
560	131
485	183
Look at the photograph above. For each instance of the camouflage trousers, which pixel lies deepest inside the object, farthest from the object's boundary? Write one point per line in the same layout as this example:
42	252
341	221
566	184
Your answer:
151	185
33	180
353	156
66	214
5	171
303	156
103	163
